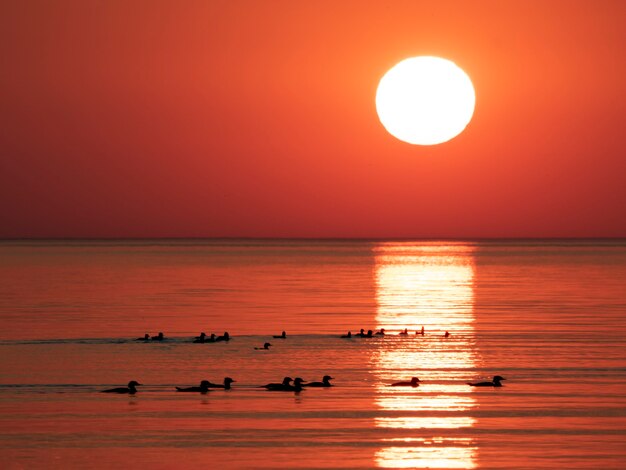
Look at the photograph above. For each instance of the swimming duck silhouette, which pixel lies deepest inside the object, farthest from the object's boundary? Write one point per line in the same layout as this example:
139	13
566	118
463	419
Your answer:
130	389
381	332
201	338
324	383
296	387
405	332
495	383
158	337
266	346
146	337
412	383
279	386
225	385
224	337
203	388
283	335
349	335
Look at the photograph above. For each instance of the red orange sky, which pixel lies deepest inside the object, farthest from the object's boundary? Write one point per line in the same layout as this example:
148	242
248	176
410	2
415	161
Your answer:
257	119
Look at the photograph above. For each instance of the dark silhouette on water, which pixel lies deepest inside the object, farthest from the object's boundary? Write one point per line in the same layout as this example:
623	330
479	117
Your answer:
381	332
369	334
361	334
324	383
201	338
203	388
158	337
412	383
130	389
279	386
266	346
349	335
283	335
146	337
225	385
421	332
224	337
405	332
296	387
447	335
494	383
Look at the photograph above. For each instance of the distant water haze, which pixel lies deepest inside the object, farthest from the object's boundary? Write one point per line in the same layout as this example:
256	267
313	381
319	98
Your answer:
546	315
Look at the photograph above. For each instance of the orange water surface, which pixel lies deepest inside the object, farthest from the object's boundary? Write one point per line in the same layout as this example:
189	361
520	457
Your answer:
549	316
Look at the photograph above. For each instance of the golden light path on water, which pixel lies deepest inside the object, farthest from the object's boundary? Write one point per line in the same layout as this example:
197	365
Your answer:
430	286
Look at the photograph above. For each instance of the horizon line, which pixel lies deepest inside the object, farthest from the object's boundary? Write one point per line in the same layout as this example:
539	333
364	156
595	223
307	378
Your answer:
336	239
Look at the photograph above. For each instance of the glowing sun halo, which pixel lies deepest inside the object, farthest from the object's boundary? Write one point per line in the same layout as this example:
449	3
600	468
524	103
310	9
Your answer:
425	100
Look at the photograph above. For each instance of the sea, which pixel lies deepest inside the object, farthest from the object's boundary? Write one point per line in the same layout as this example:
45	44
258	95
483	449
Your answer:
547	315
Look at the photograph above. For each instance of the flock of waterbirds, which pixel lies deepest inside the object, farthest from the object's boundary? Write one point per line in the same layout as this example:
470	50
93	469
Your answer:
288	384
213	338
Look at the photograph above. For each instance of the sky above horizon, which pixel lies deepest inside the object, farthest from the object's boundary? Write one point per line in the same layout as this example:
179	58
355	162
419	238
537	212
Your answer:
258	119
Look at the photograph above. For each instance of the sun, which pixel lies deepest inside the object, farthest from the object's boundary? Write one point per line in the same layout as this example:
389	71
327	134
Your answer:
425	100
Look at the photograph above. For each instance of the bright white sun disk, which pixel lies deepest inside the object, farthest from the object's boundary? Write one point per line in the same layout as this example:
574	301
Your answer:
425	100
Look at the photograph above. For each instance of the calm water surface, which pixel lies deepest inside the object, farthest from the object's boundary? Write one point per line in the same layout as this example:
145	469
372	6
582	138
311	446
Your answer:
548	316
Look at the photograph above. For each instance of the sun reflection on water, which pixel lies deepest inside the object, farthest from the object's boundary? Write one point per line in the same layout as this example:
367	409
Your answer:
430	286
427	456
